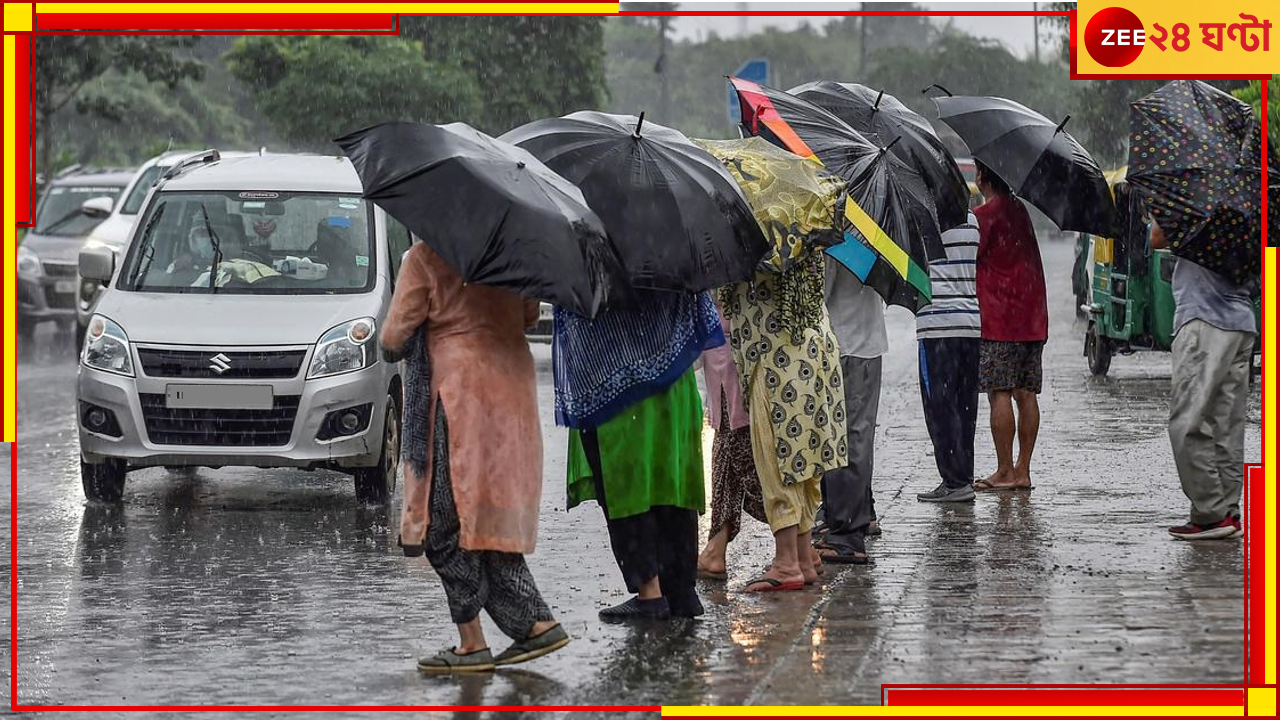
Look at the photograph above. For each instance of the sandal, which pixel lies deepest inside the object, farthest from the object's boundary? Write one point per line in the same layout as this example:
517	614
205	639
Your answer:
843	556
774	584
548	641
449	661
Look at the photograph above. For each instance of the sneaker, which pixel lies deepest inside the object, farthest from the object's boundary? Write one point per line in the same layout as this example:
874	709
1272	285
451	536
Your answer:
637	609
1224	528
942	493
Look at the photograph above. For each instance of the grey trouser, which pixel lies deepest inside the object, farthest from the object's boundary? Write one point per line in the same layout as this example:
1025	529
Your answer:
846	492
1207	415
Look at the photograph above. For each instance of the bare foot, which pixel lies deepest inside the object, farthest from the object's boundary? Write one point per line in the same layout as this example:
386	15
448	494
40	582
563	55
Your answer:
815	561
998	480
711	563
1021	477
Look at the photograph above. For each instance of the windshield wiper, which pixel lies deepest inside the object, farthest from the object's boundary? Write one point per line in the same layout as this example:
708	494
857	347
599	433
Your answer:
217	250
47	229
144	263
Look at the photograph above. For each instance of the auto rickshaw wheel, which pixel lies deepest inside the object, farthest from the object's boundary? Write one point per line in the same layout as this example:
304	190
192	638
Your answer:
1098	350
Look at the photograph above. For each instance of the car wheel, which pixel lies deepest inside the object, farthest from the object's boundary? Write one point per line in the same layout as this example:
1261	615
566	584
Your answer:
1098	350
103	482
375	485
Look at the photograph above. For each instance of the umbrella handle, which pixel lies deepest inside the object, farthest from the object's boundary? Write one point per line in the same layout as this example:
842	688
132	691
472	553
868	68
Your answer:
1061	125
936	85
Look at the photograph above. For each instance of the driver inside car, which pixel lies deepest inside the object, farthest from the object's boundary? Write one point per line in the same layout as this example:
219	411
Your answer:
194	259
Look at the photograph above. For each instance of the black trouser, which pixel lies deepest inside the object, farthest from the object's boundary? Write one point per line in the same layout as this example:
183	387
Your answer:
498	582
949	390
661	542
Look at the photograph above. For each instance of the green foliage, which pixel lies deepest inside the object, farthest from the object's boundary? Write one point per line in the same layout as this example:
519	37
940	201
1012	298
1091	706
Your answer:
66	64
525	67
314	88
1252	94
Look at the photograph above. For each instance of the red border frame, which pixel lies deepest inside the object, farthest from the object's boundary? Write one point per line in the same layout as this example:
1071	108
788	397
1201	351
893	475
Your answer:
1255	487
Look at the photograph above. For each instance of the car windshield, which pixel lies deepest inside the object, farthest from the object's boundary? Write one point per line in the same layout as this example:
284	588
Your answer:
133	202
253	242
60	209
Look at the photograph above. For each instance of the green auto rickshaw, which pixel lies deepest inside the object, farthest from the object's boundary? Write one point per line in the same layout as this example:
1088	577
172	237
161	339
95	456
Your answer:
1132	303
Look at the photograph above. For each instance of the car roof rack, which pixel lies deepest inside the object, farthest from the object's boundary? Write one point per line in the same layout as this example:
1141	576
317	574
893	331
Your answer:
203	157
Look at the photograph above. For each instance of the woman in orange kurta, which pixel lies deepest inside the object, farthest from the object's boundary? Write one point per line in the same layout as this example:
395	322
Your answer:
476	514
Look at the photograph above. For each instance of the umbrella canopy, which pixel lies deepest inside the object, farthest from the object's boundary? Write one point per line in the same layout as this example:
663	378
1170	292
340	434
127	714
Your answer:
1036	157
793	198
675	214
891	225
493	211
1195	154
883	119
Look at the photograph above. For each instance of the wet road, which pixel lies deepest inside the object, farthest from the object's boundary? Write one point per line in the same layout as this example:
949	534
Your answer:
265	587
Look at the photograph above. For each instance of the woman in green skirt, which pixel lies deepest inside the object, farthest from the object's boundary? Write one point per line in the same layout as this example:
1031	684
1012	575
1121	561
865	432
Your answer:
626	389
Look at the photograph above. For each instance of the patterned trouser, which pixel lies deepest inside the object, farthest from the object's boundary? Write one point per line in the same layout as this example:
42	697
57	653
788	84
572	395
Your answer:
734	484
497	582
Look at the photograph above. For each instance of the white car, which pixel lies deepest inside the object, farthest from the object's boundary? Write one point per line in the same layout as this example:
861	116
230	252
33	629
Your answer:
112	232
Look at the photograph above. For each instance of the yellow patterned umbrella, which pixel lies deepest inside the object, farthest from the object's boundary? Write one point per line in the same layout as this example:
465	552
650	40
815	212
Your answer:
793	198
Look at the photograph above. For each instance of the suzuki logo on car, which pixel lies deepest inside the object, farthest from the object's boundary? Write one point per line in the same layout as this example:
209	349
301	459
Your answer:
219	363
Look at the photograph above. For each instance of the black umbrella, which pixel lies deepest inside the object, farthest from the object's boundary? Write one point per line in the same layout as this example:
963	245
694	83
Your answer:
882	118
674	213
1036	157
1195	153
493	211
891	213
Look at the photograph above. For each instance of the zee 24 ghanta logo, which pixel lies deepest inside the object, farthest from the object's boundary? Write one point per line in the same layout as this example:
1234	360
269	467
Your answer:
1115	36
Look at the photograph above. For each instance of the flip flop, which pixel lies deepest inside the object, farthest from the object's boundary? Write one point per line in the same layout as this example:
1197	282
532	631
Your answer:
841	557
774	585
705	574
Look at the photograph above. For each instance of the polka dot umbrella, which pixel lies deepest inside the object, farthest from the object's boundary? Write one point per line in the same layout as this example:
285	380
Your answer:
1195	156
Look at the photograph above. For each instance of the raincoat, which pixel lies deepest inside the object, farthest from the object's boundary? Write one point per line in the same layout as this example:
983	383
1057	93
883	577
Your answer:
483	374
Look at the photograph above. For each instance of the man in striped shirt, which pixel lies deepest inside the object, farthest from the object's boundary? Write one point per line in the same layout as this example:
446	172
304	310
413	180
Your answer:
950	335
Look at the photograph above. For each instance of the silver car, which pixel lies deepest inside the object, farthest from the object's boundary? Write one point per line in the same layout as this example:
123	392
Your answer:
75	202
240	327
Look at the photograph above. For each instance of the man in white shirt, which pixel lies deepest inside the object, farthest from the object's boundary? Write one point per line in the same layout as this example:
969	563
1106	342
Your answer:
857	318
950	334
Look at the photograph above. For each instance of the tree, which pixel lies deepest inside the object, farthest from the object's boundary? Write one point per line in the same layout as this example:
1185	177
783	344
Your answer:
313	88
1252	94
65	64
526	67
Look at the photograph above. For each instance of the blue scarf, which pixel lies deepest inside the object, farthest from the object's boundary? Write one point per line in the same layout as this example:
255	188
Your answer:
603	366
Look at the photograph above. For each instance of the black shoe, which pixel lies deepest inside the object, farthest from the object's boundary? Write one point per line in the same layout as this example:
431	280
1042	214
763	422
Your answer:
942	493
637	609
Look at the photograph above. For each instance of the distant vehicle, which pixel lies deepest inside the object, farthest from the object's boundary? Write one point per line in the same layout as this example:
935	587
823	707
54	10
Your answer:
113	231
73	204
970	171
240	327
546	323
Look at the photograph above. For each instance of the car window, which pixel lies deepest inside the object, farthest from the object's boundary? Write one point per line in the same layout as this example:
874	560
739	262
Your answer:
59	212
260	242
133	203
398	243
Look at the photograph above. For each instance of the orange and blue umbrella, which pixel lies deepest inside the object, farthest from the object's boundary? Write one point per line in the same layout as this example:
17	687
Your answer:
891	224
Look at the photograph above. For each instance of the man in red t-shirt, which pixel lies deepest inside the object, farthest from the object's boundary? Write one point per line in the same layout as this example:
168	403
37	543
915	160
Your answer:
1015	325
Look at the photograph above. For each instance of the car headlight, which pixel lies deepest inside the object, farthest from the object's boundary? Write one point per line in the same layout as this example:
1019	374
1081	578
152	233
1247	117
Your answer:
28	261
344	348
106	347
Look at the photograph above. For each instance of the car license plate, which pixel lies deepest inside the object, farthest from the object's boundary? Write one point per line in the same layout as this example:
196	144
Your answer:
219	397
64	287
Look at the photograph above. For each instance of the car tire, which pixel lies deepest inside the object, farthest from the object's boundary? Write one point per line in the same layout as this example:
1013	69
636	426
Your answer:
103	482
1098	350
376	485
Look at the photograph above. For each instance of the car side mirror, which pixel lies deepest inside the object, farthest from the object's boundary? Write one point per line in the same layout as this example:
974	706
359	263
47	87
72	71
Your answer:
98	207
97	264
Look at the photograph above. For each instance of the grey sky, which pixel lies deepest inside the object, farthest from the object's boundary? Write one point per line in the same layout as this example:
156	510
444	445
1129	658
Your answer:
1015	32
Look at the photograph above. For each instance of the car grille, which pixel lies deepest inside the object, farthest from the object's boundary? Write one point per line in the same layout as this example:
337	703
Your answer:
220	428
278	364
57	300
59	270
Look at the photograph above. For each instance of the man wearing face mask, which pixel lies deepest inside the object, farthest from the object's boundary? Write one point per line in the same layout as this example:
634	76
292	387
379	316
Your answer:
195	259
1214	331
